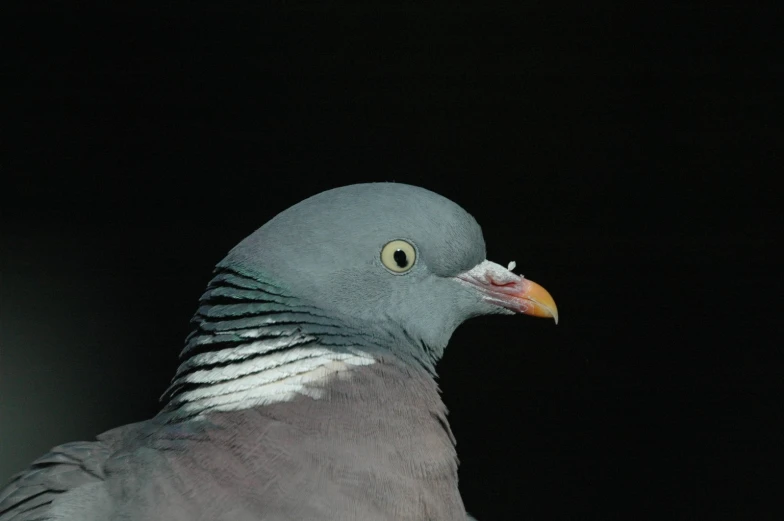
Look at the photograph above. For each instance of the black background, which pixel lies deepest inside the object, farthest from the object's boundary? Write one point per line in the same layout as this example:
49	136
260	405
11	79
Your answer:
623	156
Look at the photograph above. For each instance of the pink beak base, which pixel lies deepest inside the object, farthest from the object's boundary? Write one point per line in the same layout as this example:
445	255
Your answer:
503	288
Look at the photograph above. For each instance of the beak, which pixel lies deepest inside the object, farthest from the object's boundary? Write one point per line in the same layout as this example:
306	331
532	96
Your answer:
503	288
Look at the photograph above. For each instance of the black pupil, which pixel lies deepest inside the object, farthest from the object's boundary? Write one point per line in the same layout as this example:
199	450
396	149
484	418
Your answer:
400	258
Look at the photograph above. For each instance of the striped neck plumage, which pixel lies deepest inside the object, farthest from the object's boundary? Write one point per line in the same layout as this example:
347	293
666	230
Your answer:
254	344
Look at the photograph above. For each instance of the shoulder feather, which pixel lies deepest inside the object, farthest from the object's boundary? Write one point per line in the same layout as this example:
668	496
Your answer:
29	495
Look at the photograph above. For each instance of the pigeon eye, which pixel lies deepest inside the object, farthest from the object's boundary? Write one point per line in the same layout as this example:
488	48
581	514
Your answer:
398	256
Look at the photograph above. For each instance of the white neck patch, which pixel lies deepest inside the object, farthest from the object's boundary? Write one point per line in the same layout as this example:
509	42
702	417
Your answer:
279	376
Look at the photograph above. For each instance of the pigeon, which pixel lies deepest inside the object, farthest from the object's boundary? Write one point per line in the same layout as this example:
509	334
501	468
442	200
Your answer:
306	389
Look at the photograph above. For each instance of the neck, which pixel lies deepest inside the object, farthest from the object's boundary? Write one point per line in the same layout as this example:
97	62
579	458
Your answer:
253	345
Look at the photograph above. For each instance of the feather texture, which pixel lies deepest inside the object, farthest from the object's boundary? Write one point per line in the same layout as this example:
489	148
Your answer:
30	494
230	368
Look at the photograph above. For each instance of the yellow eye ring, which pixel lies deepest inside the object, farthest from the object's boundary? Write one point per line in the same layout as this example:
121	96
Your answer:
398	256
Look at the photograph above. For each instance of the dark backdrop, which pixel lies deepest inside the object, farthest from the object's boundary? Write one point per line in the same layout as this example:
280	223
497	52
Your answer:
621	156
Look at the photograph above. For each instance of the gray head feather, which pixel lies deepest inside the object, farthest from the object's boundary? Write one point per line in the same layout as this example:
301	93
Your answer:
326	250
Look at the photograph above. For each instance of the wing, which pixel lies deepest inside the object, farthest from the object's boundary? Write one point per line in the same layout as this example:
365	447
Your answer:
29	495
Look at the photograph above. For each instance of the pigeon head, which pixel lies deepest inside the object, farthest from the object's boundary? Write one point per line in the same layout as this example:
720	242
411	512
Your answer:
402	264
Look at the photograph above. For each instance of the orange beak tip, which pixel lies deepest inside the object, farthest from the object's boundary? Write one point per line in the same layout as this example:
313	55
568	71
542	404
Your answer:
543	304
